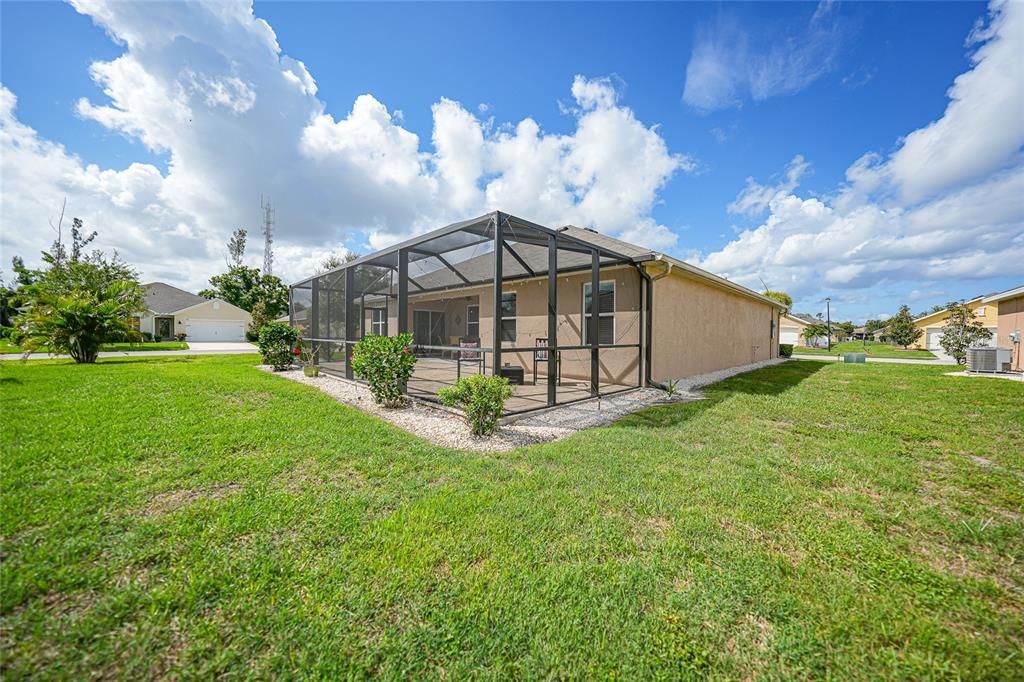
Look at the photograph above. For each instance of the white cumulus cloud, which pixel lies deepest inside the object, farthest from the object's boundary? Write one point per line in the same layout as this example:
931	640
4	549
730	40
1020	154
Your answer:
948	203
208	87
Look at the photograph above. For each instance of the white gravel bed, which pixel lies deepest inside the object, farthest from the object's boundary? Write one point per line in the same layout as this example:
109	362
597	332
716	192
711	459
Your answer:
442	427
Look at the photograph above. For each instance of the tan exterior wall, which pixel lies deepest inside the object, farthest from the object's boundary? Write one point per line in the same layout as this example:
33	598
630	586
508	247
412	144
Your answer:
788	323
1011	319
987	314
616	365
699	328
213	310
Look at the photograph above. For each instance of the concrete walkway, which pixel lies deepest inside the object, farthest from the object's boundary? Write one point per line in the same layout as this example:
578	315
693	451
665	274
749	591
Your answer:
194	348
897	361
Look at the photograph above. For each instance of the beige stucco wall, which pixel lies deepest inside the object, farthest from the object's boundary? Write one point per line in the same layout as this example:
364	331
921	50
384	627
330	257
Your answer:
791	323
616	365
1011	319
211	310
699	328
987	314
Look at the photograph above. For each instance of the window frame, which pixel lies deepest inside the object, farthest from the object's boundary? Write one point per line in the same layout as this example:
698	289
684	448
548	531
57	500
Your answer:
514	318
469	322
586	316
374	322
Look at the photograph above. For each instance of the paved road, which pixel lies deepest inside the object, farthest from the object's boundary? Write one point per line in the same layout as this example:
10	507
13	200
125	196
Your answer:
898	361
194	348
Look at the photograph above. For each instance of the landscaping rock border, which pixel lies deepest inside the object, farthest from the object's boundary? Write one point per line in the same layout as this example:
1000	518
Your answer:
438	426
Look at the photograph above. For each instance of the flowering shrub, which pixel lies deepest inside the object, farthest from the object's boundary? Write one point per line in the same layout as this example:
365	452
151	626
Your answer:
481	397
386	363
275	344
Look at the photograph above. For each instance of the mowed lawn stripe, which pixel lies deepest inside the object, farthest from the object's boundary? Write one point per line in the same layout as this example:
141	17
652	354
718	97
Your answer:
197	517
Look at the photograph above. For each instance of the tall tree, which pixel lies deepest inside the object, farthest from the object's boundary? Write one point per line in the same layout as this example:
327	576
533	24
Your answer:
236	248
244	286
333	262
780	296
901	327
77	302
962	331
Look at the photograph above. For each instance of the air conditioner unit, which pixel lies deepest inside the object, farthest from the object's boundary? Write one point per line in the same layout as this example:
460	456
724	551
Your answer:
988	359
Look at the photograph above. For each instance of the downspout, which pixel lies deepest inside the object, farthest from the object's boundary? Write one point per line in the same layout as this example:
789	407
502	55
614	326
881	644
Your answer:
649	322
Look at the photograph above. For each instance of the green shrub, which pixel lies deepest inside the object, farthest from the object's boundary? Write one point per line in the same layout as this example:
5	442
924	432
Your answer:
147	337
785	350
385	363
276	342
481	397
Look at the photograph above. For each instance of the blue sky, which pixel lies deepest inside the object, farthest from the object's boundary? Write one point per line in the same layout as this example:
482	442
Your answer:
170	147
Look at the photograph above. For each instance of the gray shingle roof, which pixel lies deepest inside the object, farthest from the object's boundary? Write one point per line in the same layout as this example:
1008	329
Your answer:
604	241
810	319
163	299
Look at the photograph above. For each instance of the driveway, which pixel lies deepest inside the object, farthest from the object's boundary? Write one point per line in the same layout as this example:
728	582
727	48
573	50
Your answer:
194	348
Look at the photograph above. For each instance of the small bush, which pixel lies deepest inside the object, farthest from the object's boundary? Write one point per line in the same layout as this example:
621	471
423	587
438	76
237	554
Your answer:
275	344
386	363
147	337
481	397
180	337
785	350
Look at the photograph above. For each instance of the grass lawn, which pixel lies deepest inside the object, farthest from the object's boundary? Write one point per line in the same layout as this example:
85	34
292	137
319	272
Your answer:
8	348
870	348
195	517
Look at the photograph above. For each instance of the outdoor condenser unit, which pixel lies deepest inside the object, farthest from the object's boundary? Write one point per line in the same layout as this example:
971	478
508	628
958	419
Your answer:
988	359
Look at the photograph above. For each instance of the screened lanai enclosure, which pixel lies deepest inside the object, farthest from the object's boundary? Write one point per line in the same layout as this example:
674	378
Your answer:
562	317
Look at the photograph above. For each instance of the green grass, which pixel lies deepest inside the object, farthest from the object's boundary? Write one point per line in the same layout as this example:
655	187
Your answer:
8	348
871	348
196	518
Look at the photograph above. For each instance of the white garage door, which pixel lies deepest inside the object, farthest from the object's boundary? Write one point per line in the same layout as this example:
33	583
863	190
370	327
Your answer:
789	335
933	339
214	330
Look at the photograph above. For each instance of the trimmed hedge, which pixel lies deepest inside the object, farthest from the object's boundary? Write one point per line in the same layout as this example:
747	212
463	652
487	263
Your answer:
785	350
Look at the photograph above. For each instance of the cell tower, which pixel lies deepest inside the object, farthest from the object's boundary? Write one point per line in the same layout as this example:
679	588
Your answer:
268	236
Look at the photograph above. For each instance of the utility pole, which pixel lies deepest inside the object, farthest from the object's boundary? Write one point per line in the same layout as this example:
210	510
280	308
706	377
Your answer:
268	236
828	318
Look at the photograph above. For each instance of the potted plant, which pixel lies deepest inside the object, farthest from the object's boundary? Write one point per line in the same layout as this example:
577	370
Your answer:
307	358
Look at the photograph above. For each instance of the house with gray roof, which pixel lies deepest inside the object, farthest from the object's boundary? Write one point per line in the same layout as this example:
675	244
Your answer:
172	312
565	313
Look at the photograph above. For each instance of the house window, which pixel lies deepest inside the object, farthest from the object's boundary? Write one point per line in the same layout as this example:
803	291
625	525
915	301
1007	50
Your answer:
473	322
981	311
605	313
508	316
378	322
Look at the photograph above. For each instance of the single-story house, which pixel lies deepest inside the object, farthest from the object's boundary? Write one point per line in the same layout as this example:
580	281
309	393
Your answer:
171	311
1010	325
933	324
792	330
499	294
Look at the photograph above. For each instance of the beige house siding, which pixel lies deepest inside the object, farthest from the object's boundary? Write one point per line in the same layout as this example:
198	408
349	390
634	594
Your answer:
1011	319
616	365
986	313
212	310
699	328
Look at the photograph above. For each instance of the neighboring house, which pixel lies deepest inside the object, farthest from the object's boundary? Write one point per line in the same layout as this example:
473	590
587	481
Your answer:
171	311
1010	325
657	318
933	324
792	330
880	335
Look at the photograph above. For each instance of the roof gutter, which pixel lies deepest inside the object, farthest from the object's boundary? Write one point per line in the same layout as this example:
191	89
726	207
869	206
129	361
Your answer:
673	263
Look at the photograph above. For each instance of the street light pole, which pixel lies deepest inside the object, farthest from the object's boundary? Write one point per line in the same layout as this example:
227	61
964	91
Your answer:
828	318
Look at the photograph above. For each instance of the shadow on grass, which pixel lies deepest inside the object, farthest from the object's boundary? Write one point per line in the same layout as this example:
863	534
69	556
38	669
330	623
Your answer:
768	381
9	380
